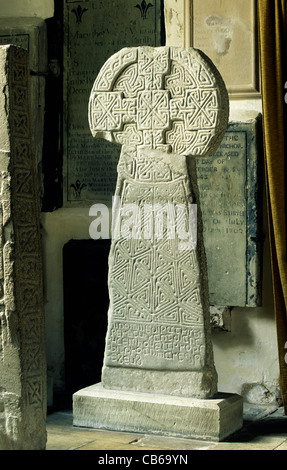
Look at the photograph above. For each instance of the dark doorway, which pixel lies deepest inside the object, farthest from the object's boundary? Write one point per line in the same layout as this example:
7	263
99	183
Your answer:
86	301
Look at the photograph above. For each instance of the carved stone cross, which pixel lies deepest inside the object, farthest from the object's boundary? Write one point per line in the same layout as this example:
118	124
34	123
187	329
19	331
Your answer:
162	105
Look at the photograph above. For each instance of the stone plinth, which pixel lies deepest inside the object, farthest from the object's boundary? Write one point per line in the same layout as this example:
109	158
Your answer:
162	105
23	368
213	419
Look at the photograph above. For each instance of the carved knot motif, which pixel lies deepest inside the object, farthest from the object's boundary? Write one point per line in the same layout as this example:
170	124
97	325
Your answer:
164	98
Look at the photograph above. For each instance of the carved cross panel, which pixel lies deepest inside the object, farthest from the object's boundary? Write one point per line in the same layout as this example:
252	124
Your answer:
161	104
164	98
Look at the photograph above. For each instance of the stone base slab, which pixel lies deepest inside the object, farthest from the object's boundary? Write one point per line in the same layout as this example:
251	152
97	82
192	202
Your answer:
209	419
200	384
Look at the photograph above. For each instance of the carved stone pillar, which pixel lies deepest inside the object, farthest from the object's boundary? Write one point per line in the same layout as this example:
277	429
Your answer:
164	105
22	340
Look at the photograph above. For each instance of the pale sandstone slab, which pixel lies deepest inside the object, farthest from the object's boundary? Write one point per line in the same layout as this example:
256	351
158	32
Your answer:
212	419
22	337
162	105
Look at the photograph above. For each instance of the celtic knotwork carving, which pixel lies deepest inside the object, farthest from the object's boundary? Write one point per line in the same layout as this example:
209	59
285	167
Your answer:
172	93
153	110
112	68
160	104
108	111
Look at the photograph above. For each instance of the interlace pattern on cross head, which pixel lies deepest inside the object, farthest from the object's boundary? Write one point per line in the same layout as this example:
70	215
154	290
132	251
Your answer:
165	98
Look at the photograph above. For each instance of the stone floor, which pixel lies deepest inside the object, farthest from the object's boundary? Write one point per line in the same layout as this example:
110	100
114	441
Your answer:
265	428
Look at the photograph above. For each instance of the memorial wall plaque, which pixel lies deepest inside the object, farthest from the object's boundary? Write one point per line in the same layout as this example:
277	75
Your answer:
94	30
226	31
229	188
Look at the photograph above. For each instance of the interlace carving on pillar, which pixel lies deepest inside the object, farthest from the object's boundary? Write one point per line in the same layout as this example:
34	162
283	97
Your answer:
163	98
27	244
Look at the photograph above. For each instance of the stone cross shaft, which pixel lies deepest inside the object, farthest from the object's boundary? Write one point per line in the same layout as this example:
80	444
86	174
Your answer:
162	105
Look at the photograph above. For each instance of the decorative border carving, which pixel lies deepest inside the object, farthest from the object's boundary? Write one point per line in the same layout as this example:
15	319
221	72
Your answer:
21	303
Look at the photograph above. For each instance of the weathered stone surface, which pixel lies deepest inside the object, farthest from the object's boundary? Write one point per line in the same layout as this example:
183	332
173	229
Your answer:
22	339
230	186
153	101
158	335
213	419
101	28
162	105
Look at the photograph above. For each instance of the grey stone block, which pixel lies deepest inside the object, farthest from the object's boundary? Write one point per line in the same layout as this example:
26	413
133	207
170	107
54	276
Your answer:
213	419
